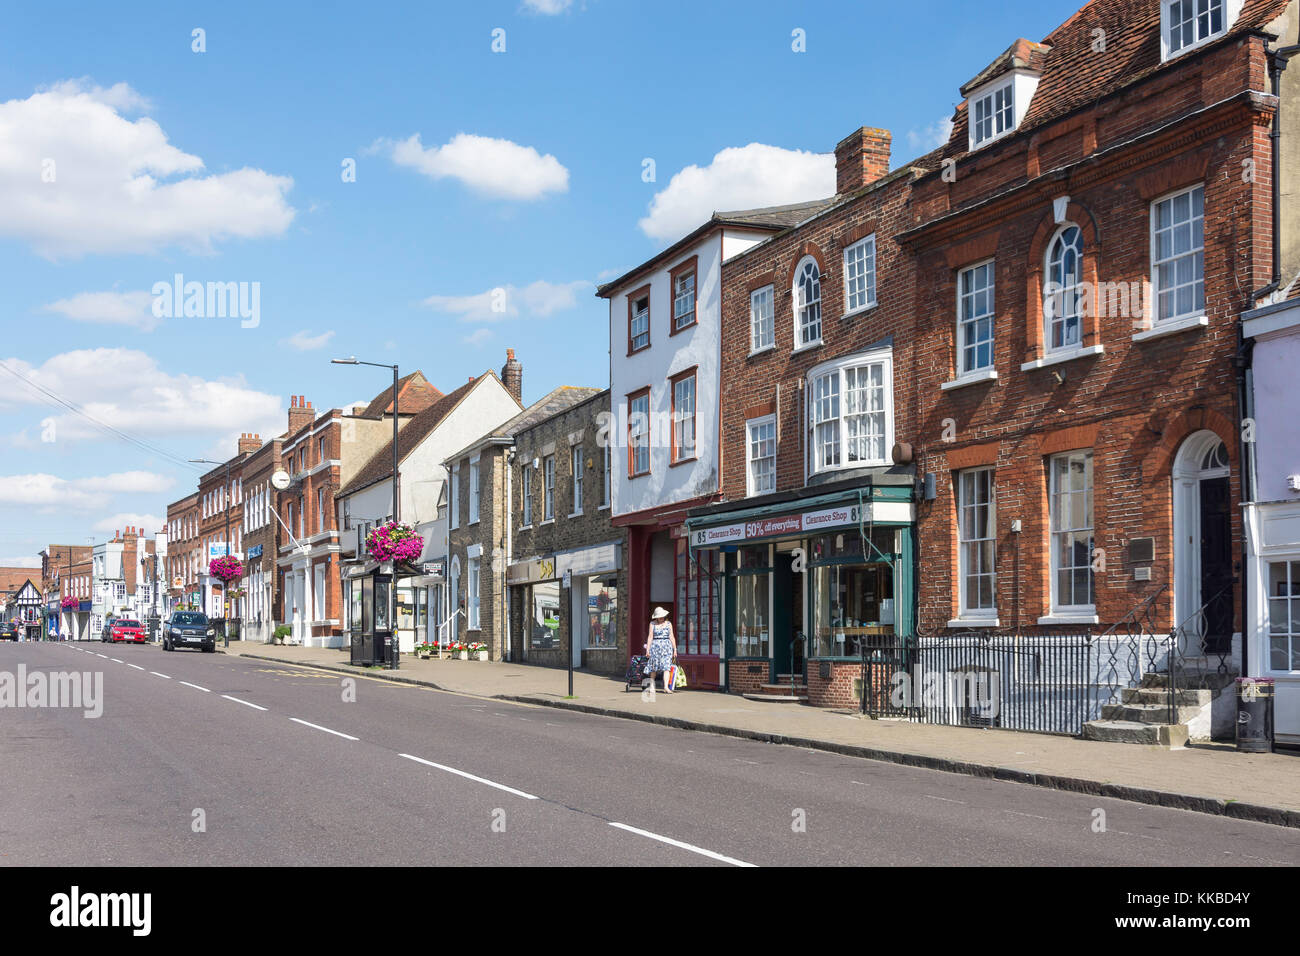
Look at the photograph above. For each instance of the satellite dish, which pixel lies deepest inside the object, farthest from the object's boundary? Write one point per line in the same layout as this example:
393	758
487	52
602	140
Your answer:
280	480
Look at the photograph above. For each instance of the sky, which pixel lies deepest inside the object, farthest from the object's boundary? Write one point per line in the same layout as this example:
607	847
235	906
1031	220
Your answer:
422	183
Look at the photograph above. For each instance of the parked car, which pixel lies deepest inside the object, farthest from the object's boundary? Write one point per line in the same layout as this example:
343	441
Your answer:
189	629
8	631
106	632
126	629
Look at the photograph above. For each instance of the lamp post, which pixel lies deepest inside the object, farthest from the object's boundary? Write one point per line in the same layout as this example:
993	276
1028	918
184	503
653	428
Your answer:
397	514
225	585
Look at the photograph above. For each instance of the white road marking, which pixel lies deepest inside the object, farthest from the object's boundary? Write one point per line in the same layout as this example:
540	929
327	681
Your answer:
136	666
163	676
860	783
326	729
1034	815
944	799
196	687
470	776
678	843
115	660
105	656
244	702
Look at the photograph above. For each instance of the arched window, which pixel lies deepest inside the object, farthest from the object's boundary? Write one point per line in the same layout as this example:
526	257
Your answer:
807	303
1063	292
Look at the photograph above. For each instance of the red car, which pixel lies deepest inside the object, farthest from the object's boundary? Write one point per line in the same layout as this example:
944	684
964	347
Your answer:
125	629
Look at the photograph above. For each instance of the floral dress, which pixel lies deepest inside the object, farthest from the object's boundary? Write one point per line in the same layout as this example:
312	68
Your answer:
661	648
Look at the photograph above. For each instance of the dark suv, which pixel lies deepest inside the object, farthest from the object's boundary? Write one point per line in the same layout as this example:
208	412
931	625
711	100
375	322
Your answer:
189	629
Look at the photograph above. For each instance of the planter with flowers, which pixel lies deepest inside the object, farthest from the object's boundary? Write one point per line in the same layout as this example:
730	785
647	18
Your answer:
478	651
459	650
68	603
394	542
226	569
426	650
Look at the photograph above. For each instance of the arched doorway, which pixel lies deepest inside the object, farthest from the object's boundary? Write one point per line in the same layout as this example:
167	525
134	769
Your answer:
1203	566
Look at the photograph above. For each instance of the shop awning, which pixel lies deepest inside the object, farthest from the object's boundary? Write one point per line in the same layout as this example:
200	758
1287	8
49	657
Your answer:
813	515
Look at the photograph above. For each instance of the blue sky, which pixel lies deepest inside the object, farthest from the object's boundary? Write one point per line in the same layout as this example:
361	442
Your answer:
126	158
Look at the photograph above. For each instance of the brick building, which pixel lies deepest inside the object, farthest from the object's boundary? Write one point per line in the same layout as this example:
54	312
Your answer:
65	573
221	513
262	538
560	512
183	553
480	532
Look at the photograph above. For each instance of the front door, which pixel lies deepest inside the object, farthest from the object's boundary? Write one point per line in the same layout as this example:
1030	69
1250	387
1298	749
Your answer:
1216	564
787	615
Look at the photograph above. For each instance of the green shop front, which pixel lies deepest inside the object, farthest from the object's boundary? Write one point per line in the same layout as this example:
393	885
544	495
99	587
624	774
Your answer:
808	585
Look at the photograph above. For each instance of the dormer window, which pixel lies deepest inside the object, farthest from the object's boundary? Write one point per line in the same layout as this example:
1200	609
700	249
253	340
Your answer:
1187	24
993	114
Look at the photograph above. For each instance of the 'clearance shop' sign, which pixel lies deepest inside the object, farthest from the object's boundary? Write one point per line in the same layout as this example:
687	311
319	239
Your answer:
774	527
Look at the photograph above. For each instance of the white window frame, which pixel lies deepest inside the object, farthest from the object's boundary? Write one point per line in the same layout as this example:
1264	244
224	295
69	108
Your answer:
1292	633
1178	318
751	485
548	488
575	461
639	433
473	490
526	482
762	324
962	370
680	419
1230	9
632	335
966	506
1003	112
840	367
1065	292
609	476
453	500
1053	499
473	587
868	247
798	306
679	295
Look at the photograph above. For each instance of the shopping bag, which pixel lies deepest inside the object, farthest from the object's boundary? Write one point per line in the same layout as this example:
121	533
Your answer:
669	675
679	677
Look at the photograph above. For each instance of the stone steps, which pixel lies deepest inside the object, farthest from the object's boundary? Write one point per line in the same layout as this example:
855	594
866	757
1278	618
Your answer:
1133	732
786	698
1160	695
1160	713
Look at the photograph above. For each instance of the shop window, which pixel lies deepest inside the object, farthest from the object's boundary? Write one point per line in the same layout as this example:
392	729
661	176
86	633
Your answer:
544	615
405	609
753	602
853	606
698	607
1284	615
602	611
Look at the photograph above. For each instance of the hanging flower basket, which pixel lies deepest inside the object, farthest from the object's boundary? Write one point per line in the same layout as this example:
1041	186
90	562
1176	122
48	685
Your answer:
68	602
394	542
226	569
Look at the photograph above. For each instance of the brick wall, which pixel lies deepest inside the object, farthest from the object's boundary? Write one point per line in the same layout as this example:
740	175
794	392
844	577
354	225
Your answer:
746	677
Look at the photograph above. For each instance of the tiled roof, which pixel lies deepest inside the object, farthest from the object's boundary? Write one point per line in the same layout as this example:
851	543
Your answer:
380	466
414	395
554	402
1023	54
12	579
779	216
1075	74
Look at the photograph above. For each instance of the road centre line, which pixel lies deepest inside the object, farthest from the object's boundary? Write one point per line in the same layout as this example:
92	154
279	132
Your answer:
244	702
470	776
136	666
326	729
115	660
163	676
685	846
196	687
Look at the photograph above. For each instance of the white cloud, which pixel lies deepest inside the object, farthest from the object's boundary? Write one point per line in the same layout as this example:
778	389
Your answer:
144	399
110	308
547	7
22	561
79	494
538	299
740	177
145	522
931	137
305	342
478	336
118	185
495	167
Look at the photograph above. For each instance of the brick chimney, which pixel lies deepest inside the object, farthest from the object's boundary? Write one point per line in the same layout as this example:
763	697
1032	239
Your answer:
861	159
512	376
301	414
249	443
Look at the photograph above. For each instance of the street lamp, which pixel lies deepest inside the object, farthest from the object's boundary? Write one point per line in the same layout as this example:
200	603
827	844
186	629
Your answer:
352	360
225	585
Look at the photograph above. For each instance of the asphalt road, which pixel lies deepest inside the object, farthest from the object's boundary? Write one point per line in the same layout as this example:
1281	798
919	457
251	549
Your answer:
281	769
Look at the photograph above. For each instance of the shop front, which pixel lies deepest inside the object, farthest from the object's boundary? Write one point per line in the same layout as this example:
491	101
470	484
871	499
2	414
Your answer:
536	612
811	585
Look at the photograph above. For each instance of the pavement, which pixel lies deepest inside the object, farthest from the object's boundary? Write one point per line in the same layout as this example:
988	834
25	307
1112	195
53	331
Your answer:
222	759
1206	778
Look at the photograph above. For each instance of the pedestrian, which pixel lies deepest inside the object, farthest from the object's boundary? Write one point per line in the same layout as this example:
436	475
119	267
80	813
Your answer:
661	647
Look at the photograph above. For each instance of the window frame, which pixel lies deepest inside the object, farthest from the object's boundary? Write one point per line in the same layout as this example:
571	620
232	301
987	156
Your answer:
961	371
608	488
1049	319
849	308
754	345
1178	318
1008	86
797	310
1291	635
475	502
673	382
1057	609
750	424
840	366
1230	10
687	267
526	486
965	610
632	298
576	464
473	593
453	499
633	397
548	488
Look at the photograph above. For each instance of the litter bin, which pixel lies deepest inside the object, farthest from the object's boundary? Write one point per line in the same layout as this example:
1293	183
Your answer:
1255	715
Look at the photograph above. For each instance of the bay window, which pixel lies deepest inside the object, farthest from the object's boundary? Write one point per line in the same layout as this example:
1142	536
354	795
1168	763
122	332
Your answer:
850	404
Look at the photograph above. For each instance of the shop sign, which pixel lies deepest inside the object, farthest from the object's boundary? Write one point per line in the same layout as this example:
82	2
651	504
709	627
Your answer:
255	552
784	526
526	572
433	568
598	559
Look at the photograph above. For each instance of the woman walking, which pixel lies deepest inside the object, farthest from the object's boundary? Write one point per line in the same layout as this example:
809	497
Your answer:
660	647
